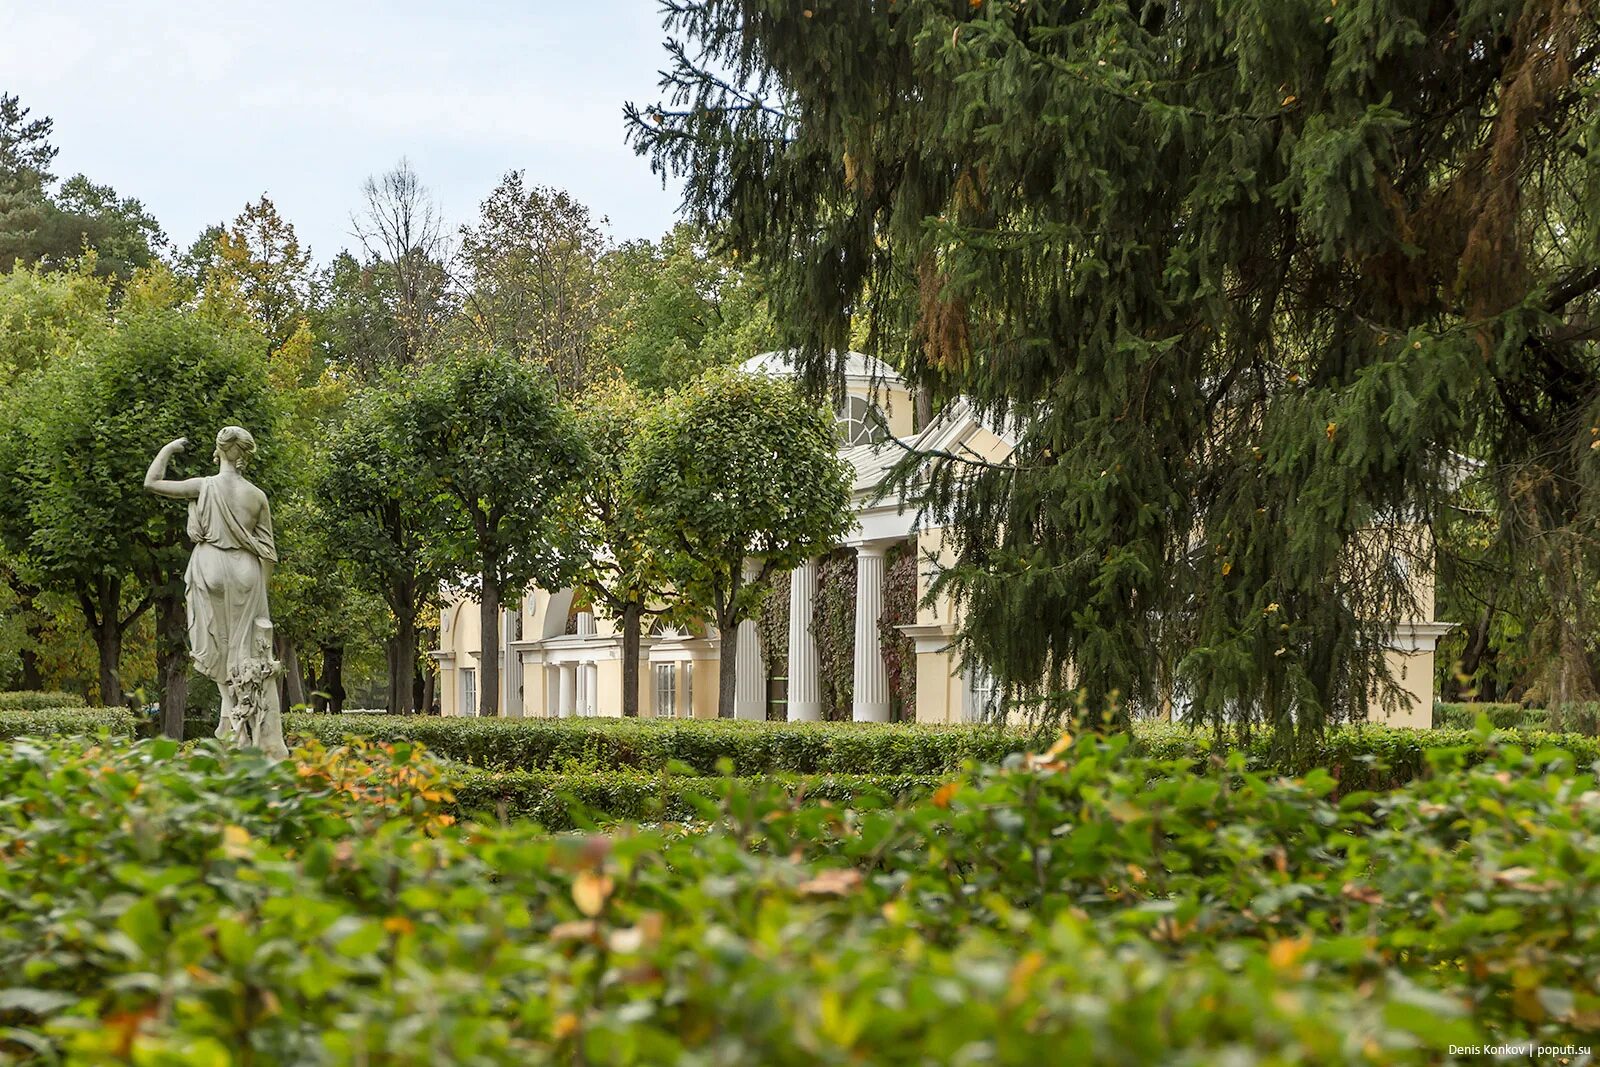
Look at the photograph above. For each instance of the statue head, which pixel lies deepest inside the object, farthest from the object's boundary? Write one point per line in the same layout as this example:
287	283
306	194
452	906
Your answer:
235	444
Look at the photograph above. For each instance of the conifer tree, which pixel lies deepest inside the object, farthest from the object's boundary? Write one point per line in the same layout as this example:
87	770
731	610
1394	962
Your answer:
1241	276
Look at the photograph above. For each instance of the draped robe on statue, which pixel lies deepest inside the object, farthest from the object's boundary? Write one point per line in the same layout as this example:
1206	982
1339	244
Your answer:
230	630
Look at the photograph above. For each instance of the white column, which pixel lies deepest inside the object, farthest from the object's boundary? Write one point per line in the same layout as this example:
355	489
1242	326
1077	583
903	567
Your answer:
591	689
585	624
749	672
871	701
805	688
566	703
749	675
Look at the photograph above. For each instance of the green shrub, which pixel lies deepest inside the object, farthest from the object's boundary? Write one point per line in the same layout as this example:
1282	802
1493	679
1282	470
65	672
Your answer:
30	700
653	745
1085	906
564	801
65	722
1465	716
1359	757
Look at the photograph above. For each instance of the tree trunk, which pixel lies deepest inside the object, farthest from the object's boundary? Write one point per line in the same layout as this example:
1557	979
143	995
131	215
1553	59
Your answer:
172	650
632	625
32	679
489	641
403	668
333	677
727	665
922	409
108	640
430	681
293	694
108	643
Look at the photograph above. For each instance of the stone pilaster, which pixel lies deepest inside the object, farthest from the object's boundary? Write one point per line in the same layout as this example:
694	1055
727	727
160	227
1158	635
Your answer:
749	670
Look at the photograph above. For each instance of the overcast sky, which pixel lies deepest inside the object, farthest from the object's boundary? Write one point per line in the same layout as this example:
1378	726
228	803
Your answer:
198	107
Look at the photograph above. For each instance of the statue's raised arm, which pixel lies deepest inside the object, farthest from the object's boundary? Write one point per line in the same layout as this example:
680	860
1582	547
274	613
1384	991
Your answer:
155	479
230	628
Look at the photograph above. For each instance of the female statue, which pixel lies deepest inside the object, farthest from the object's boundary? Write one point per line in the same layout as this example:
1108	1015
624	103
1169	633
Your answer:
230	630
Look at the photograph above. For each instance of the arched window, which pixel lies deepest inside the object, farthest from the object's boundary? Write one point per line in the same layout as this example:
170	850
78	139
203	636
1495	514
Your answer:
860	422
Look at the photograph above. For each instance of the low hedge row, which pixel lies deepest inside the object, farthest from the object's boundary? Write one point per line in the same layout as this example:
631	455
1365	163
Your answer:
33	700
64	722
1360	757
750	748
1580	717
560	801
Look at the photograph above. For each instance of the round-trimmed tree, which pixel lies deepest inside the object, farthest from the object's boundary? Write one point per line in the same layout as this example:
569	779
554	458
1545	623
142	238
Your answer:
739	467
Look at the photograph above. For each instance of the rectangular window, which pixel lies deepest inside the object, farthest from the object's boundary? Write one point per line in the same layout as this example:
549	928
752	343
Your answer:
688	689
469	691
983	698
666	690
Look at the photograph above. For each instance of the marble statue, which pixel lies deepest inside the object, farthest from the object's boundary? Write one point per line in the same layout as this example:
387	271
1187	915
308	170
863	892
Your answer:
230	629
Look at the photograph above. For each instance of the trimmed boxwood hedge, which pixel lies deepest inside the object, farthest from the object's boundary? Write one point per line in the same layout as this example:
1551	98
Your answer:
700	745
33	700
560	801
64	722
1360	757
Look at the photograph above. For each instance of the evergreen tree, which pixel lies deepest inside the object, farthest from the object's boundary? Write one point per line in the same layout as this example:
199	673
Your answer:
1238	275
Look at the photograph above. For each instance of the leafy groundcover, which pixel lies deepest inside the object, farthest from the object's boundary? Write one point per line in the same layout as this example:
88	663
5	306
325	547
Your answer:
166	905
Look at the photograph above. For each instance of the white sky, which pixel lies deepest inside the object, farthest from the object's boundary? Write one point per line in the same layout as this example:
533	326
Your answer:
198	107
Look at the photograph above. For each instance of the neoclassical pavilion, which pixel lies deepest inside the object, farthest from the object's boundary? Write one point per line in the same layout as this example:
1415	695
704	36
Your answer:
558	662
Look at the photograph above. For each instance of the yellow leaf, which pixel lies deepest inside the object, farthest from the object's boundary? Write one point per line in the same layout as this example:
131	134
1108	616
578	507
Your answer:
1288	100
1286	953
1063	743
399	924
565	1025
943	795
1227	568
1333	428
590	892
235	842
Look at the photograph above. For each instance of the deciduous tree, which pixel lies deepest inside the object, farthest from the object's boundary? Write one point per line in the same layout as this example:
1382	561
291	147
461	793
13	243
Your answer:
505	454
734	468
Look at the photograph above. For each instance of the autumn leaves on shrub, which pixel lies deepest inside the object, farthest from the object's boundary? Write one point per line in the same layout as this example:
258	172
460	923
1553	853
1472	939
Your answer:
1081	905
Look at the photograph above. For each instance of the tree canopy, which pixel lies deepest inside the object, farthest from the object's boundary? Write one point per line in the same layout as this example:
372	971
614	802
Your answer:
733	469
1241	279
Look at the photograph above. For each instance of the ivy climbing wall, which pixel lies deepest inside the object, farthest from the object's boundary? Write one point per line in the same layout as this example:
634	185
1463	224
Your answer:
833	622
899	609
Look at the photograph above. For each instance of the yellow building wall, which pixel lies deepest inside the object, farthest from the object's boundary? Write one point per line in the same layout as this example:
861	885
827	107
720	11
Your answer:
1413	672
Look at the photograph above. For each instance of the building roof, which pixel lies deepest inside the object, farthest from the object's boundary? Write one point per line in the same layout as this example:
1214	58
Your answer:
858	366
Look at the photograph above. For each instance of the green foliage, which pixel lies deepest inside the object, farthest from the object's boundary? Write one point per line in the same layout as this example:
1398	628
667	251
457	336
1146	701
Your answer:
1128	234
379	512
900	609
494	445
738	475
77	436
1082	904
62	716
569	800
535	288
32	700
676	308
646	745
56	227
833	625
